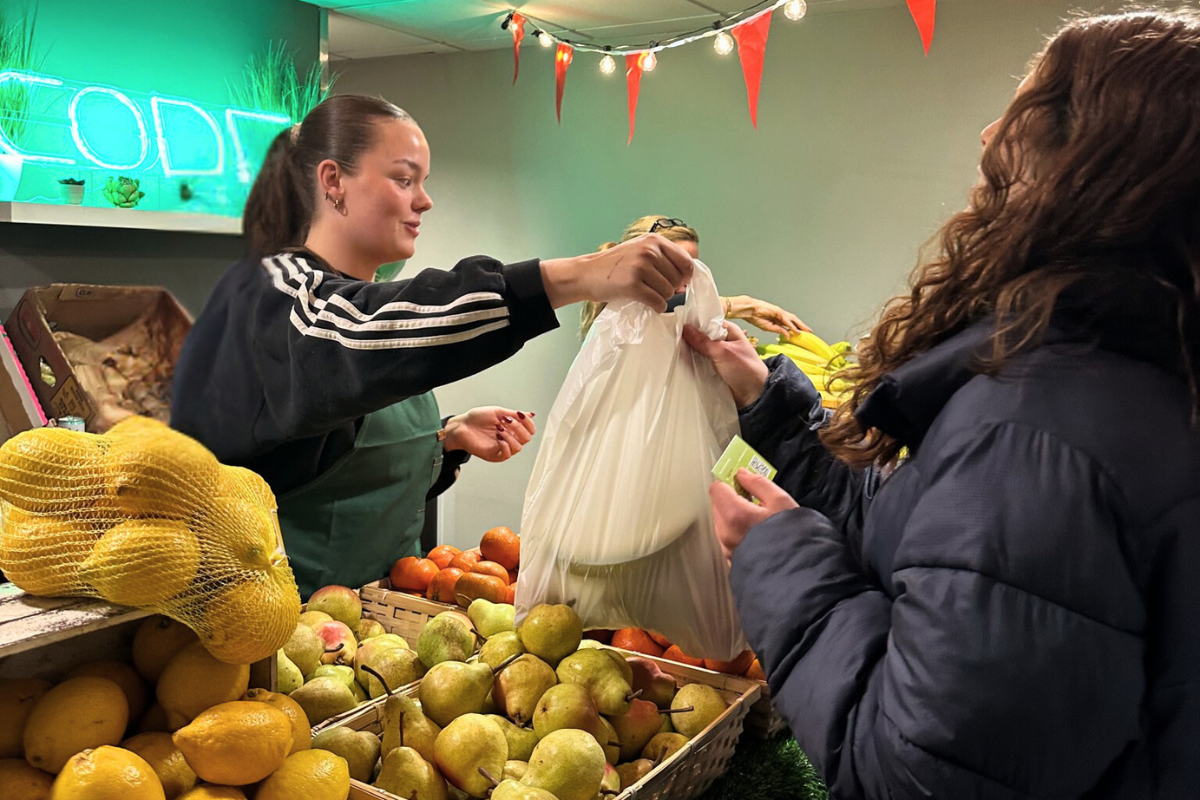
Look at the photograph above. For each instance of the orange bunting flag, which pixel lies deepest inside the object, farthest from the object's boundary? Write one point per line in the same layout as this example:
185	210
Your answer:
517	26
751	37
562	60
923	13
633	82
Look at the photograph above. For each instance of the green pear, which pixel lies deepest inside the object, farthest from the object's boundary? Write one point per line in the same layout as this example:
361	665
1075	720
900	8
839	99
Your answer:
406	774
515	770
491	618
520	686
663	745
598	672
340	602
521	741
453	688
304	648
590	644
405	722
466	746
610	743
634	771
567	763
314	618
360	694
667	726
359	748
369	629
551	632
288	677
500	647
510	789
322	698
398	667
622	664
566	705
636	727
706	702
611	782
445	638
339	672
648	678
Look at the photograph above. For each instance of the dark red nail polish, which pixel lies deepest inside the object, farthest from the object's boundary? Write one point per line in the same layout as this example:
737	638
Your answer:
499	427
499	438
532	414
520	415
508	419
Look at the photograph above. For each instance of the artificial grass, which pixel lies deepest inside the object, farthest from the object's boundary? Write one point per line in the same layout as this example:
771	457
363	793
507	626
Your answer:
770	769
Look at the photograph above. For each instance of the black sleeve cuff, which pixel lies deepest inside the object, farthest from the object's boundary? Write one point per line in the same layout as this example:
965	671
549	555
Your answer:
532	313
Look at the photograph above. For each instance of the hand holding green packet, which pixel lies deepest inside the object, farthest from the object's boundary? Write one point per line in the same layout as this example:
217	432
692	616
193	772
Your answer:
739	455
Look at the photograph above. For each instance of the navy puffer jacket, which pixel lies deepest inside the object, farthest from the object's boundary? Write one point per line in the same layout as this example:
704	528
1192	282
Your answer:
1015	611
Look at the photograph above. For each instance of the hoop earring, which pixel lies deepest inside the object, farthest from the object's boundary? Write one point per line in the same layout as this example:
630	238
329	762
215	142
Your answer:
339	205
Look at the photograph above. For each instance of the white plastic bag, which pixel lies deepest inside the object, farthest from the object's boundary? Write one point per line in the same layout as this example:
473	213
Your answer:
617	519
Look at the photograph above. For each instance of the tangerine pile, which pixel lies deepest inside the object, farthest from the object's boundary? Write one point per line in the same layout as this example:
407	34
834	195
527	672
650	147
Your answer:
450	575
657	645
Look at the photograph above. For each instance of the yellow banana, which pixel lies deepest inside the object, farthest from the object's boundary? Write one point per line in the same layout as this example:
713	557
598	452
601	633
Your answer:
810	341
797	354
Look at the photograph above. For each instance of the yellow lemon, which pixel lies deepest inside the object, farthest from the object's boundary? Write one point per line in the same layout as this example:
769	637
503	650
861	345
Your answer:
18	696
248	485
77	714
41	553
52	471
236	743
155	719
209	792
301	730
156	642
23	782
311	774
122	675
107	773
168	763
194	681
239	530
141	562
137	424
250	621
159	473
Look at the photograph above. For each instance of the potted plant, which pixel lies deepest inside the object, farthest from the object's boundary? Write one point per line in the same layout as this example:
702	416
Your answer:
16	97
271	83
123	192
71	190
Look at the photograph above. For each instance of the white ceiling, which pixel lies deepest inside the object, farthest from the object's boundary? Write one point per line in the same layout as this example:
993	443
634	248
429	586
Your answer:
373	28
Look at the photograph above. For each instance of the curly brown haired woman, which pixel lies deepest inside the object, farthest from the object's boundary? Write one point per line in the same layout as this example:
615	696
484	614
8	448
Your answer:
1010	611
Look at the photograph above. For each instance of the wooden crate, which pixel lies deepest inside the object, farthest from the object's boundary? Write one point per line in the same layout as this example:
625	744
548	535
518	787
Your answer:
683	776
398	612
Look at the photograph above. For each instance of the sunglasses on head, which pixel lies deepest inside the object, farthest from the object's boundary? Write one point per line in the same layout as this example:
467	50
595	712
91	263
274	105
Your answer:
660	224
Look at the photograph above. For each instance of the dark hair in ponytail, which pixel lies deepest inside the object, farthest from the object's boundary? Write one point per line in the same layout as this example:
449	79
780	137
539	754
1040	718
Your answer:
280	207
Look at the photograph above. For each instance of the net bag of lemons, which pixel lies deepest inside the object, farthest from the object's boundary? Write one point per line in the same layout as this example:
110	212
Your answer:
145	516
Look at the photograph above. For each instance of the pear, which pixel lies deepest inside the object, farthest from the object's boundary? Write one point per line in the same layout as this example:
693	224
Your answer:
339	672
636	727
590	644
314	618
520	685
500	647
567	763
634	771
521	741
452	688
304	648
322	698
288	677
468	746
359	748
707	704
648	678
551	632
611	782
515	770
360	694
491	618
406	774
606	735
595	670
369	629
667	726
405	722
622	664
567	705
663	745
340	602
397	666
445	638
509	789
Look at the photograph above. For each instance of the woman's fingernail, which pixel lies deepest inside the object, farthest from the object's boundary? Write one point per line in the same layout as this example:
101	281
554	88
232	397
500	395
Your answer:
520	415
500	439
508	419
500	427
532	414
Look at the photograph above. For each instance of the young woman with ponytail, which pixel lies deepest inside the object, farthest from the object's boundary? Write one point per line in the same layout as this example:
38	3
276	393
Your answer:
305	370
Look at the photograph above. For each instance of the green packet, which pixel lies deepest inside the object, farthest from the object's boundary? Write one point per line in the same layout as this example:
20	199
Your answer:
740	455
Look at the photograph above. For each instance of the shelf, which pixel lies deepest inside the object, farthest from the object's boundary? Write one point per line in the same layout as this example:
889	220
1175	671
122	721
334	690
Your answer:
28	622
95	217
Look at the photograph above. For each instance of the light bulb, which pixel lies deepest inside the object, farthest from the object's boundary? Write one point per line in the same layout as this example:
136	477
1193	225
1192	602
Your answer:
545	39
649	62
723	43
795	10
607	65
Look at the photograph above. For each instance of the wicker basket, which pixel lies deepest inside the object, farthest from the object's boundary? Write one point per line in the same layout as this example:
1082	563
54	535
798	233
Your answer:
683	776
399	612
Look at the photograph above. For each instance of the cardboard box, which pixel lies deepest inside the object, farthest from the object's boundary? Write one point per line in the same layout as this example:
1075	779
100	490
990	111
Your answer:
19	407
95	313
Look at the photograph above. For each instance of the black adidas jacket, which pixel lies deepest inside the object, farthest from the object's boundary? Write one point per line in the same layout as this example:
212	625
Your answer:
289	355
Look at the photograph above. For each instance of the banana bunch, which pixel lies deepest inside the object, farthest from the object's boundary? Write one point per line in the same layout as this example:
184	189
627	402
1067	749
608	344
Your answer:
816	359
123	192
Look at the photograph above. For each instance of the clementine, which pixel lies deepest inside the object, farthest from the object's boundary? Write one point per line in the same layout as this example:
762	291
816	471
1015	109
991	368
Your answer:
755	673
673	653
659	639
465	560
441	588
637	640
491	568
737	666
443	554
474	585
510	596
502	546
413	574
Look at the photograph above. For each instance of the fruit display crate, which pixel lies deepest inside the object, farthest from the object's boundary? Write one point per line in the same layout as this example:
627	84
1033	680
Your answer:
399	612
684	776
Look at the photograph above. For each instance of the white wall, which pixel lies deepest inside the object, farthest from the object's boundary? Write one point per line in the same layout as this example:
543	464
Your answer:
863	147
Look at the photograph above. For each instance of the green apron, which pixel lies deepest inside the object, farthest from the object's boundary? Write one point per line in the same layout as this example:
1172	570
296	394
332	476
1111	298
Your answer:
350	525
